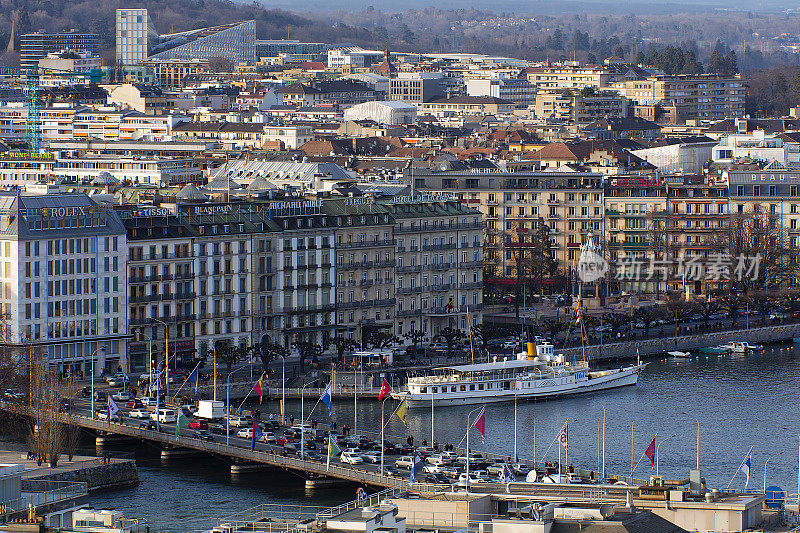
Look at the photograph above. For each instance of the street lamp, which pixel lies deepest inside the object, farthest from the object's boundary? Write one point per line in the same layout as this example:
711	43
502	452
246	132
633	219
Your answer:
303	421
166	354
662	441
102	349
765	469
228	406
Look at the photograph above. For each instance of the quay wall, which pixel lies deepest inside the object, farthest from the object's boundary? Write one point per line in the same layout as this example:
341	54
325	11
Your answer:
650	347
98	476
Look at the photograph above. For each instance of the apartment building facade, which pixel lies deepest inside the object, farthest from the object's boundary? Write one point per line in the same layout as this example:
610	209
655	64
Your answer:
298	271
516	204
703	96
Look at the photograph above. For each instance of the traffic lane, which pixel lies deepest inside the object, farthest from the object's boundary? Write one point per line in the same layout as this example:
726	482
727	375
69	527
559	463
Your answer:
232	438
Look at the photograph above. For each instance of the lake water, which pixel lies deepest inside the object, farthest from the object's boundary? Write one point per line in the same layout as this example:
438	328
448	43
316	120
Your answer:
740	401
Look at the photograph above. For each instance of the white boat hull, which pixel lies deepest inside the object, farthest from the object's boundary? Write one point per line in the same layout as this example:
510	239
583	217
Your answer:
545	388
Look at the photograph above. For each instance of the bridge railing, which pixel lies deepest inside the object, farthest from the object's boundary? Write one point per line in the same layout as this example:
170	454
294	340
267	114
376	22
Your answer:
373	499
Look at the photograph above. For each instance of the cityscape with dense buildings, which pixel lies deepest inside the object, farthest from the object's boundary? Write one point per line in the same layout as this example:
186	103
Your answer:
354	262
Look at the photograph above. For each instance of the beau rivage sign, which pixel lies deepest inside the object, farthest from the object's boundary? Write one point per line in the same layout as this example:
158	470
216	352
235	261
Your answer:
744	177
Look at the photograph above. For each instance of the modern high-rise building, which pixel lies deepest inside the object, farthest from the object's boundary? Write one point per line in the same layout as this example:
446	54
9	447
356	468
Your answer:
35	46
135	36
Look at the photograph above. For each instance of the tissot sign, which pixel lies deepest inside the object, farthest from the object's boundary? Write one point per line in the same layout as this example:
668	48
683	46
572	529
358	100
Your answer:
146	212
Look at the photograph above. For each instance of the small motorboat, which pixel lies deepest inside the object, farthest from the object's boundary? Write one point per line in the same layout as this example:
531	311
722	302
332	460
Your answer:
714	350
736	347
680	354
754	347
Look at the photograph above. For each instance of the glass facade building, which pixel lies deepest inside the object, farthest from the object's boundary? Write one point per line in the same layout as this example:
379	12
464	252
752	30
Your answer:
35	46
235	42
135	36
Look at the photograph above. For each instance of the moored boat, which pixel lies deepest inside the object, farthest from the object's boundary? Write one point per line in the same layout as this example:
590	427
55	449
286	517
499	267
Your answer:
525	377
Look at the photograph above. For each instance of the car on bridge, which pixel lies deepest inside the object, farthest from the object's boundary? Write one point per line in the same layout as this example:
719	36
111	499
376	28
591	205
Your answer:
139	413
122	396
405	461
268	437
165	416
103	415
240	421
351	458
198	424
117	380
203	435
246	433
371	457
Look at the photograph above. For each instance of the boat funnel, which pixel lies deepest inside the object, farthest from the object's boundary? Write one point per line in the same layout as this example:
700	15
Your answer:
531	348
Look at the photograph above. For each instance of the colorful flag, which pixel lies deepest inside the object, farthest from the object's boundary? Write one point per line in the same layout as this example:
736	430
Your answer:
112	407
259	389
746	468
650	452
480	424
333	450
194	377
361	495
401	412
181	423
385	390
577	317
563	437
327	398
256	434
416	468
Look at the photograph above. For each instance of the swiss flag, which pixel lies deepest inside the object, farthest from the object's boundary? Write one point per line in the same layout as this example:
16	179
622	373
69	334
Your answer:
650	452
480	424
385	390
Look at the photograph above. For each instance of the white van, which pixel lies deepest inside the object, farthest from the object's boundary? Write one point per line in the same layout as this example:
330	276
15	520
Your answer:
165	416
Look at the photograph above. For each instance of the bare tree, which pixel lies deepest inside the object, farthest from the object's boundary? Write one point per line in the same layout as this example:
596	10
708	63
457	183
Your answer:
760	238
48	431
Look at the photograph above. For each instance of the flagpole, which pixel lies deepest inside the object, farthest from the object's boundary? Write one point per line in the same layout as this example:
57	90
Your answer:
382	446
640	458
566	448
740	467
469	427
604	443
431	416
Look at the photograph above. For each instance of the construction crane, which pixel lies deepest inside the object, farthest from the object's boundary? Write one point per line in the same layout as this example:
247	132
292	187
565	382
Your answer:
32	76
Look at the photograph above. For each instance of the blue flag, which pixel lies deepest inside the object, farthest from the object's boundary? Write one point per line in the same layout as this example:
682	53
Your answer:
194	377
257	433
416	468
327	398
746	469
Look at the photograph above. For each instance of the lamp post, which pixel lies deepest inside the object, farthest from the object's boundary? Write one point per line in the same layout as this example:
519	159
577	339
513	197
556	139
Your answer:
765	469
303	421
662	441
228	407
283	388
166	354
102	349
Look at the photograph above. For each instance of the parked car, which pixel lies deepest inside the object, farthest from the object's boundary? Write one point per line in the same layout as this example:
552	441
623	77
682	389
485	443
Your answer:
439	479
438	459
351	458
139	413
